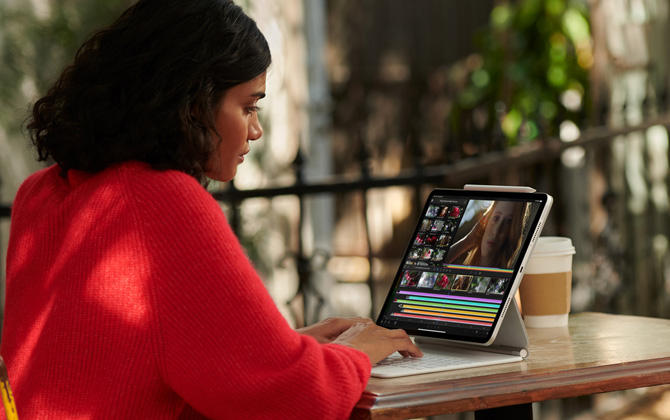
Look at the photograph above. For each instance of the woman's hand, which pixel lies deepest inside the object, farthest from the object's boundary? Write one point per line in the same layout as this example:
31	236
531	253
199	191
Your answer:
467	242
377	342
329	329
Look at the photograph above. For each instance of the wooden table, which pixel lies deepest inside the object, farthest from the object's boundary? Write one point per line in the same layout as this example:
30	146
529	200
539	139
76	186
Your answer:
595	353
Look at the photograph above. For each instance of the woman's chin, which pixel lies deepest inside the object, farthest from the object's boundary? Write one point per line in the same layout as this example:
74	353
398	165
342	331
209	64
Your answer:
221	177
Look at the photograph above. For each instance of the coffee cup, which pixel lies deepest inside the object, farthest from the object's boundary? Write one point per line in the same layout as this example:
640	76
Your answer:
546	287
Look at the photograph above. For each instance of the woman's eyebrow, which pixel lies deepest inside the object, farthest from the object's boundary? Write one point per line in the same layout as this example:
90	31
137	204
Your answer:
259	95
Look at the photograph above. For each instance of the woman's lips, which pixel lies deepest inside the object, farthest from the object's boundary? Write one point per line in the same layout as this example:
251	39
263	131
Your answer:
241	157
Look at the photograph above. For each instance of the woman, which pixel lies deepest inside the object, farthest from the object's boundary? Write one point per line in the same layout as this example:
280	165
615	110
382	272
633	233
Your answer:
128	296
495	239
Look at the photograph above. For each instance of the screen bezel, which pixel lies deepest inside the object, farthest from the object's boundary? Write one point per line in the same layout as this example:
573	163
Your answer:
540	198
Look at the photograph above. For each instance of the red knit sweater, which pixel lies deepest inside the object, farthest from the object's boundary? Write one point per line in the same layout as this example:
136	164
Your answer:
129	297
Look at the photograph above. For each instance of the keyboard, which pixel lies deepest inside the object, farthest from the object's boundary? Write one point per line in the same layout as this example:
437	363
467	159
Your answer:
438	360
428	361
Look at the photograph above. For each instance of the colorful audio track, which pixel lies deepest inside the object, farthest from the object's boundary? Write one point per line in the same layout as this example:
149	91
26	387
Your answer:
489	270
447	308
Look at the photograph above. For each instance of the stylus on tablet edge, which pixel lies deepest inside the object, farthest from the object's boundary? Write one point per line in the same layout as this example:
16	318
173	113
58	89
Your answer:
510	188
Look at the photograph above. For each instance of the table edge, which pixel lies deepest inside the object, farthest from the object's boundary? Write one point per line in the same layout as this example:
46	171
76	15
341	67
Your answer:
574	382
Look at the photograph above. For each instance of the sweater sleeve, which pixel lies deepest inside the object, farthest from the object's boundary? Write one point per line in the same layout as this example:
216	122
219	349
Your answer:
221	342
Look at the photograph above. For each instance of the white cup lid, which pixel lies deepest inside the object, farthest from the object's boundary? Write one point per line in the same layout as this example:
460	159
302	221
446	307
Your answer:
547	246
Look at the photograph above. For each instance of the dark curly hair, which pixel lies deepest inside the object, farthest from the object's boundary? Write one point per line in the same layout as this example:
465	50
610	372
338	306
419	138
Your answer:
147	87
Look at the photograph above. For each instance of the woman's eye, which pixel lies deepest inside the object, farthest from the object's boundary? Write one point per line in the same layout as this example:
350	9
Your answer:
253	109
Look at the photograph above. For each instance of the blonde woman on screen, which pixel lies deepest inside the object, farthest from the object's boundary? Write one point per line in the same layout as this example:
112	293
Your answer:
495	239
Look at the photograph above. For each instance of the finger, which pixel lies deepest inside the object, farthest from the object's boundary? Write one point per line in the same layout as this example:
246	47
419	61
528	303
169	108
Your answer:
411	351
366	323
396	334
407	346
361	319
340	325
340	321
415	352
401	341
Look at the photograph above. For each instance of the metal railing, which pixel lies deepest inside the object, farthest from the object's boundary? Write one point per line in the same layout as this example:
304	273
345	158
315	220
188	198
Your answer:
536	163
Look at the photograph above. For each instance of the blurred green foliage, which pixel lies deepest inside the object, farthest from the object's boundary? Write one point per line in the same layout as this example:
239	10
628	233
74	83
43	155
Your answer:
37	40
531	71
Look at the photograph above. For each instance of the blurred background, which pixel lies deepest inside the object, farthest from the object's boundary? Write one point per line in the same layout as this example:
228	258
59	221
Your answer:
373	103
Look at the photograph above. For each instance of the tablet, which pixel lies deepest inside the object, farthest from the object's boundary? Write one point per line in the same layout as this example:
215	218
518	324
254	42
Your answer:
464	263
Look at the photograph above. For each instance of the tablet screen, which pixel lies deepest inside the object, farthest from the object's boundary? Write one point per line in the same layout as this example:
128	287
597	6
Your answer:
462	262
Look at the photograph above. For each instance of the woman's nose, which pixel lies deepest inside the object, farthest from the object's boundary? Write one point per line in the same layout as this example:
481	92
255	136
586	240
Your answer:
255	129
496	231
